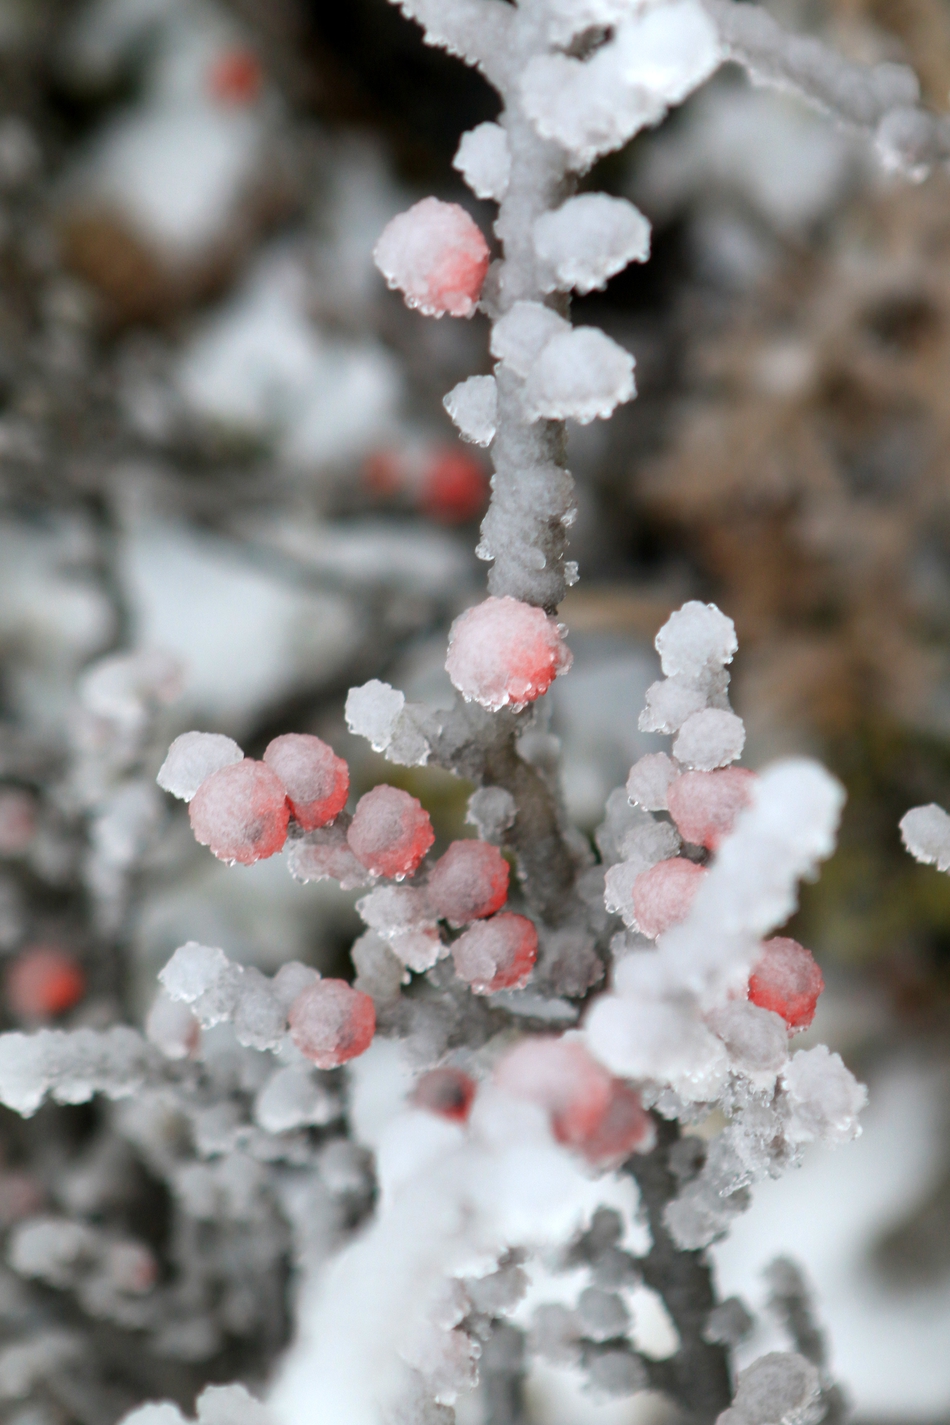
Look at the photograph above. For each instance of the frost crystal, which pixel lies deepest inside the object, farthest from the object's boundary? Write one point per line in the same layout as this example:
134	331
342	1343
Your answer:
484	161
925	832
519	337
436	256
710	738
191	758
496	954
316	780
240	812
390	832
504	652
589	239
580	375
331	1023
468	883
473	407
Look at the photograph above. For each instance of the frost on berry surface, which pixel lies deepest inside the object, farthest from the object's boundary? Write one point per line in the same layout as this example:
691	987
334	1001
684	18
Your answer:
588	240
782	1388
401	916
713	737
473	408
580	375
390	832
925	831
192	758
663	895
43	982
325	855
469	882
786	979
705	805
331	1023
436	256
648	784
317	782
519	337
240	813
503	652
484	160
496	954
447	1092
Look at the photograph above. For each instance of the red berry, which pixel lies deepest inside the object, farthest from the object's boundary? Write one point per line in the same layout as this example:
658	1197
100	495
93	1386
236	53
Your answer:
454	487
436	256
43	982
447	1092
705	805
241	812
786	980
390	832
236	77
504	651
625	1128
330	1022
468	883
496	954
316	780
663	895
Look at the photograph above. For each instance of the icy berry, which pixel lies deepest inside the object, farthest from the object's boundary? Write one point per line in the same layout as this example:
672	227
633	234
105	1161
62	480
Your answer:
390	832
235	78
496	954
436	256
447	1092
663	895
705	805
786	980
330	1022
317	781
625	1128
454	487
468	883
241	812
505	652
43	982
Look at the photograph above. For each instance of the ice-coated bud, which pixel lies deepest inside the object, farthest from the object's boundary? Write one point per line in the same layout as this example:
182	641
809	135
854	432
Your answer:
711	738
492	810
695	638
824	1098
43	982
241	813
192	757
589	239
786	980
581	375
390	832
649	781
372	711
705	805
925	831
503	652
468	883
496	954
330	1022
448	1092
484	161
663	895
519	337
172	1028
436	256
473	408
316	780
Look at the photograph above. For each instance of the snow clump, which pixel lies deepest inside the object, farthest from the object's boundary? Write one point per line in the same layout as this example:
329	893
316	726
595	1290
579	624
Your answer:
925	832
580	375
588	240
713	737
473	408
192	758
484	161
503	652
519	337
436	256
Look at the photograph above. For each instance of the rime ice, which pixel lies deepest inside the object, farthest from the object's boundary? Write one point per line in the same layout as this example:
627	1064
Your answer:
192	758
504	652
331	1023
241	812
468	883
786	979
705	805
316	780
390	832
663	895
436	256
496	954
695	638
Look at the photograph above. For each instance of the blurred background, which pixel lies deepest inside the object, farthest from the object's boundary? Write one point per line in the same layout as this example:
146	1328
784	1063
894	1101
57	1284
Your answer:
228	491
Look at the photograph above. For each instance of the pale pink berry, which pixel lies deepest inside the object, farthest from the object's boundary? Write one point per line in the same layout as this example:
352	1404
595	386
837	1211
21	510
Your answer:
663	895
390	832
241	812
448	1092
43	982
496	954
468	883
705	805
316	779
625	1128
786	980
330	1022
505	652
436	256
